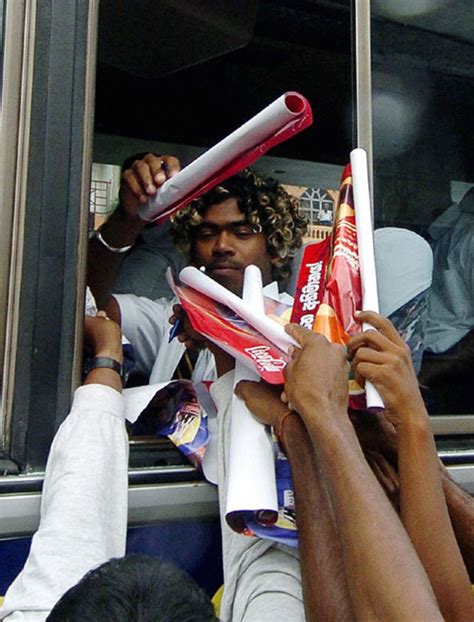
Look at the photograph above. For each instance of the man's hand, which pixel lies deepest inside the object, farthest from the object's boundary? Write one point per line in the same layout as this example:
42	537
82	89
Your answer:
102	337
263	401
139	183
316	378
143	179
382	357
186	333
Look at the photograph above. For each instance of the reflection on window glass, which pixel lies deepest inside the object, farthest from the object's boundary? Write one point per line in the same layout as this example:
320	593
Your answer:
105	181
423	73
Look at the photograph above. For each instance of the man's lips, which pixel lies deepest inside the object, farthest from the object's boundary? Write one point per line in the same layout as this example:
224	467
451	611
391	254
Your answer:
217	268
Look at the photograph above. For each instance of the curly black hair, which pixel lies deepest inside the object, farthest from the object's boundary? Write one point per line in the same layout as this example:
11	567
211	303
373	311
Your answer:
264	202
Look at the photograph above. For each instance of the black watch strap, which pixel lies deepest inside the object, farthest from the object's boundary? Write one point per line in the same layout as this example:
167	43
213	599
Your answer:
107	362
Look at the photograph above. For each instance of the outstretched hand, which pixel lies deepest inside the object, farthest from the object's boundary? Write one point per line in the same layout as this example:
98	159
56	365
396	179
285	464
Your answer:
382	357
263	401
317	374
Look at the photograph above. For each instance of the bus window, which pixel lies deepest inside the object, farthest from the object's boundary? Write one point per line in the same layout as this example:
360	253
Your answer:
161	107
423	93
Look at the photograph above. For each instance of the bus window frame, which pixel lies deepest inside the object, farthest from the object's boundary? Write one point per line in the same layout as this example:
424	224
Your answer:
31	429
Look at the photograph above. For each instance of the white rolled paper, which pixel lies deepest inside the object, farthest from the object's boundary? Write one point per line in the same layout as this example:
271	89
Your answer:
256	130
270	329
251	467
365	243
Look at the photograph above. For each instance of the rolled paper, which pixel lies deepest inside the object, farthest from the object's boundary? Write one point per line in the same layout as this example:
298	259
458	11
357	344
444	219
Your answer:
365	243
251	483
274	332
283	118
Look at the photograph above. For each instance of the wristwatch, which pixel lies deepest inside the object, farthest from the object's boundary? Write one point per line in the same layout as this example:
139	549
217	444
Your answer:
107	362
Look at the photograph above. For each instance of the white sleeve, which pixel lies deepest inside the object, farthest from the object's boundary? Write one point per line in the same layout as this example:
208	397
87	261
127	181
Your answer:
83	506
145	324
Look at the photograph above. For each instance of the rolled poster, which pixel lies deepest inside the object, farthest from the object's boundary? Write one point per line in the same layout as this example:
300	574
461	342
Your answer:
282	119
251	483
365	243
274	332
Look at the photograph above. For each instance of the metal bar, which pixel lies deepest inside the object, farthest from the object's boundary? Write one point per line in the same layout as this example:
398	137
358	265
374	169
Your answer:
19	514
452	424
16	116
88	138
362	82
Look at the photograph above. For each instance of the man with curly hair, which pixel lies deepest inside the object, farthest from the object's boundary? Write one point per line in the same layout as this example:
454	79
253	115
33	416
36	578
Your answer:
245	220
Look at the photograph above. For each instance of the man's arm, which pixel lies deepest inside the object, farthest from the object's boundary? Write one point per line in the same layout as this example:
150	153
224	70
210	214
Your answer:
370	532
324	585
138	184
461	511
383	358
84	500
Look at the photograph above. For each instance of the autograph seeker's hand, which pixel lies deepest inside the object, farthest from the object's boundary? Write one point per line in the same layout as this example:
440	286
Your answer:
139	183
382	357
102	337
263	401
316	374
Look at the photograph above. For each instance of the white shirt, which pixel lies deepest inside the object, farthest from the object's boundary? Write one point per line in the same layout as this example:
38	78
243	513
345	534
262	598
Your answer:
145	324
83	506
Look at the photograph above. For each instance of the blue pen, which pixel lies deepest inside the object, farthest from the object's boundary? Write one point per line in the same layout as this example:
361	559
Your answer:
174	330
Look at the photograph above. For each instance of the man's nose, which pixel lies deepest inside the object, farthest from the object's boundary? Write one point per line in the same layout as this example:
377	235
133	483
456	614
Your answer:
223	244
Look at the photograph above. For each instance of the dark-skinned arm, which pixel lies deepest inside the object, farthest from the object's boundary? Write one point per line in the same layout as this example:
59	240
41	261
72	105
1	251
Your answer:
138	184
461	511
102	337
385	578
383	358
325	591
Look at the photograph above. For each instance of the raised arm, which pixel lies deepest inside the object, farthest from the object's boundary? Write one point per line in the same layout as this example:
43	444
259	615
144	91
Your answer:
461	511
385	578
324	584
84	500
383	358
139	183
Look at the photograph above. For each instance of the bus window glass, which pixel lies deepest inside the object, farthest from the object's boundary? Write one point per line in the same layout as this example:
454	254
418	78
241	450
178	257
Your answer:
163	107
423	95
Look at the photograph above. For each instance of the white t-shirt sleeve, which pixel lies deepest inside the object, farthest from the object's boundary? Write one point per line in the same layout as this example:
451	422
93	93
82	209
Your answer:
83	506
145	324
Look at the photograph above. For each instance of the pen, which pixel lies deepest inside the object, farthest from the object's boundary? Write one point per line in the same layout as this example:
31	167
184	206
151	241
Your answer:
174	330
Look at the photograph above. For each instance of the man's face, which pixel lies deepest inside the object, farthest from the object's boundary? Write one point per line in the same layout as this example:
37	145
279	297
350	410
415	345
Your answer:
225	245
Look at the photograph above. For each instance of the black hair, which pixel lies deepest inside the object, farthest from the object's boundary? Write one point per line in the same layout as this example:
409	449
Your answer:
135	588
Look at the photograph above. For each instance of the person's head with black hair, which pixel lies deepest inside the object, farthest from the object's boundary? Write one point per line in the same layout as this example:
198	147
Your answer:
136	588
